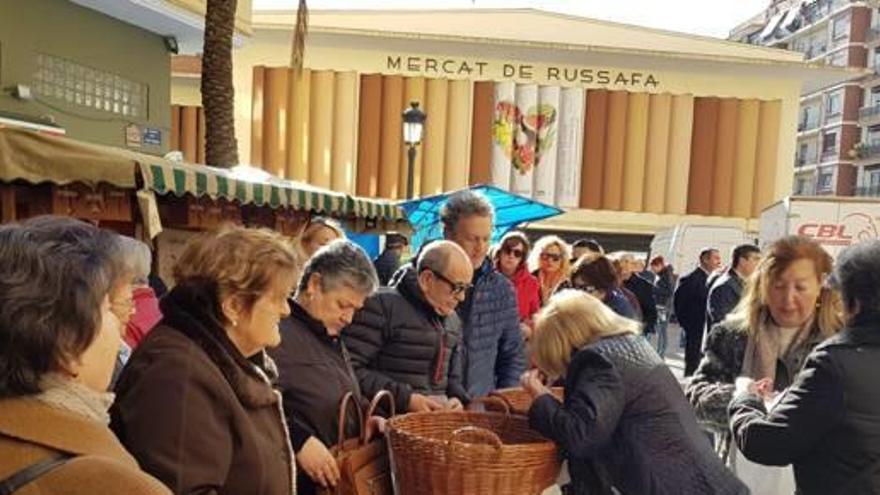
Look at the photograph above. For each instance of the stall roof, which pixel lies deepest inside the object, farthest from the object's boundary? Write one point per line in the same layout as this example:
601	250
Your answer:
40	158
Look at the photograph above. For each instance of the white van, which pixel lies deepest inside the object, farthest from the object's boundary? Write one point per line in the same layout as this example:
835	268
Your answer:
681	245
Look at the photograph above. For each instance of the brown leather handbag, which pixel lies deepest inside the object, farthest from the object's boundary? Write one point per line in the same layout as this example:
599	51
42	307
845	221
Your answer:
364	466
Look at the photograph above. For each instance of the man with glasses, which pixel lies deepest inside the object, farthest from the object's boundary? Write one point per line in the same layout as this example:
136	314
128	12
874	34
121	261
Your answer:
407	338
493	352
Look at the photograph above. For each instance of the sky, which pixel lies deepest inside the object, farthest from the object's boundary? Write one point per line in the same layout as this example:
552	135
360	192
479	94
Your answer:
703	17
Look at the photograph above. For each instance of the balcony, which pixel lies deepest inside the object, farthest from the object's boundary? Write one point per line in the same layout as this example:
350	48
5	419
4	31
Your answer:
866	151
815	51
868	191
873	34
829	155
869	115
808	125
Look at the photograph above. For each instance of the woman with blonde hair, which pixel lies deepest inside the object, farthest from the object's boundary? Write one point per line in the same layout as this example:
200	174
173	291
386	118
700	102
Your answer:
550	263
784	313
318	233
624	423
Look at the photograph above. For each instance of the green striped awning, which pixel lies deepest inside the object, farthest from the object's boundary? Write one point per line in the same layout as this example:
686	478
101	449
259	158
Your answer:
166	177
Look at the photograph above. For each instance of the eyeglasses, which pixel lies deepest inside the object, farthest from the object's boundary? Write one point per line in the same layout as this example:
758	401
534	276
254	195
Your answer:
589	289
517	253
456	287
551	257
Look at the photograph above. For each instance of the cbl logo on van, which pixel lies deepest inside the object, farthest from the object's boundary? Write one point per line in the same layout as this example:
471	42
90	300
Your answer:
855	227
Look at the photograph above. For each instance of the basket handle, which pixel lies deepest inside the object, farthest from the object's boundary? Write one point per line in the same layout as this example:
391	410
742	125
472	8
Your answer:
503	399
344	404
492	399
374	404
473	433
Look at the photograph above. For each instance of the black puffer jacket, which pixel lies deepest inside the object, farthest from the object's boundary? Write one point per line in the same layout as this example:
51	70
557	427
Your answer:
625	423
399	343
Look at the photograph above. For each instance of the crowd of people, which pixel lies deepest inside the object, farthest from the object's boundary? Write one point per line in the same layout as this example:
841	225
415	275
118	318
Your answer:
231	381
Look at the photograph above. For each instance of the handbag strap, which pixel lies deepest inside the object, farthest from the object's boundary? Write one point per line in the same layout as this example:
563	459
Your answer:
371	411
30	473
347	399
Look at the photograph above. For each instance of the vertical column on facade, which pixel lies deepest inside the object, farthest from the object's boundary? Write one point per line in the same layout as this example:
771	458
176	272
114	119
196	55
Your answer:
722	179
681	122
189	123
745	156
703	144
482	147
259	81
769	121
458	132
525	142
505	123
299	98
593	170
175	128
389	157
546	125
434	140
369	138
615	151
275	120
200	144
345	107
413	90
636	150
657	154
321	128
571	147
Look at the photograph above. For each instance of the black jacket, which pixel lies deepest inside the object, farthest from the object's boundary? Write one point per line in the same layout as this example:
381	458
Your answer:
386	264
664	287
625	423
399	343
644	292
724	295
314	373
828	422
690	300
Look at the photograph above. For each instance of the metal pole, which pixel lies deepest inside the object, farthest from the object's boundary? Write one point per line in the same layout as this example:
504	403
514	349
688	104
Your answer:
411	165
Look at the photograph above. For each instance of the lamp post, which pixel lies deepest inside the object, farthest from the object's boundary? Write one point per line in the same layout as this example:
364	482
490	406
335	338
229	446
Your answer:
413	123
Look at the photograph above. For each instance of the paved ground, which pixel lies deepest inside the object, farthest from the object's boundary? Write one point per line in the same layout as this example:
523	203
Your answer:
675	360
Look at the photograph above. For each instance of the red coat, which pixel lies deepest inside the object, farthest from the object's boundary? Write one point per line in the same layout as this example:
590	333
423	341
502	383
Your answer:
146	316
528	294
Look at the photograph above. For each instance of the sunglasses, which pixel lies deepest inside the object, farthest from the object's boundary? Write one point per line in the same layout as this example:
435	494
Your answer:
517	253
456	287
551	257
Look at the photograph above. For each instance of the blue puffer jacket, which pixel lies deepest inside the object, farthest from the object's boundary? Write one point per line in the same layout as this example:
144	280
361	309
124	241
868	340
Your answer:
494	355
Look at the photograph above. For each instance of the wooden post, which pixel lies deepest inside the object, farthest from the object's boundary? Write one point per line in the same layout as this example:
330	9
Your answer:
7	203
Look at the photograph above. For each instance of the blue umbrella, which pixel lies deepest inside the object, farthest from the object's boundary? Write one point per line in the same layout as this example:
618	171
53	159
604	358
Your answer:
510	210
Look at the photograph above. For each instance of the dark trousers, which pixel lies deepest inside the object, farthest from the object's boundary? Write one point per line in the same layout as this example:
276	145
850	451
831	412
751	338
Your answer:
693	343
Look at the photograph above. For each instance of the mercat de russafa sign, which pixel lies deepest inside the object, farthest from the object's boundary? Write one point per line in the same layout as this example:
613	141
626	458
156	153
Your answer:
537	73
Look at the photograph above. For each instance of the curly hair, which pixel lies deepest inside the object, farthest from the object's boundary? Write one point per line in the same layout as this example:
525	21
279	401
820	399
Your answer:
542	244
463	205
54	274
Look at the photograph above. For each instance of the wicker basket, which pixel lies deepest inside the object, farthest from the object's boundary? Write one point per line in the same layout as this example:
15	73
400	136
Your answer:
518	400
469	453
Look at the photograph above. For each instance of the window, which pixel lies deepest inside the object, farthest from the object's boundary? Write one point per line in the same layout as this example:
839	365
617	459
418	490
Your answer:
840	28
833	105
829	143
873	136
802	154
874	97
837	59
823	184
83	86
873	179
802	186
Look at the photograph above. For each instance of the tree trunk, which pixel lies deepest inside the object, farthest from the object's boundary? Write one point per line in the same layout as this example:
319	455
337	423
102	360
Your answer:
221	148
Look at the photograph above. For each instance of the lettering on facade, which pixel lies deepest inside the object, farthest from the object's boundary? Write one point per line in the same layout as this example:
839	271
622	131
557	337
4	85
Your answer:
430	66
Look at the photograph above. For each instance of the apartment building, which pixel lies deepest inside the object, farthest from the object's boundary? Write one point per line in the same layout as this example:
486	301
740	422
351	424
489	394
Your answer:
838	134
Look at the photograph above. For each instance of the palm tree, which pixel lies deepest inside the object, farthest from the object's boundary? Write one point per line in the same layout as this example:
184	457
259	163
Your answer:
298	51
221	148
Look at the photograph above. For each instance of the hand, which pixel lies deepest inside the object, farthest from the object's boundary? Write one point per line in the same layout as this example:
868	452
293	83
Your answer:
525	330
763	387
318	463
423	403
375	424
533	382
454	404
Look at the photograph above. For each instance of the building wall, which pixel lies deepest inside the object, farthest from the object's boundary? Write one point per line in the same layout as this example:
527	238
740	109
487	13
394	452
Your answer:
87	38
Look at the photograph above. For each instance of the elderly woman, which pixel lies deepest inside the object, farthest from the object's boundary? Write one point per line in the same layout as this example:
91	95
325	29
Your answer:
320	232
550	263
595	275
510	259
784	313
58	343
624	424
314	367
828	422
192	404
144	306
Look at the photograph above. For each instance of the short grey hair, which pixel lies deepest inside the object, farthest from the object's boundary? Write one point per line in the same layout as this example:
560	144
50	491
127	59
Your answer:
437	256
857	275
463	205
137	259
341	263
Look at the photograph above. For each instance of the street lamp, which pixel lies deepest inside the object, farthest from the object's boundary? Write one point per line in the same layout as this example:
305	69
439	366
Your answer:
413	123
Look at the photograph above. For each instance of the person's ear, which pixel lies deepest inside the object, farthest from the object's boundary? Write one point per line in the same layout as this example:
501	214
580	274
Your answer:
233	310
